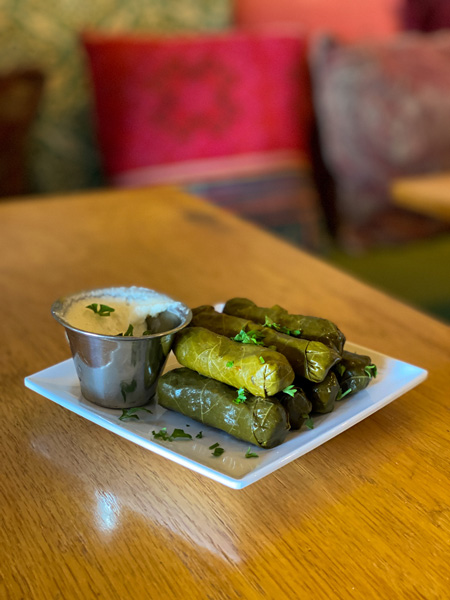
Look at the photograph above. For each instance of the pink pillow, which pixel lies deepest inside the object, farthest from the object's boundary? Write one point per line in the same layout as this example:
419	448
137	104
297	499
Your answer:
349	20
174	108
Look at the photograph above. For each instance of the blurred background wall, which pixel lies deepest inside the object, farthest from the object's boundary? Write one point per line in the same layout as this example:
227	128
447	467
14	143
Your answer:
45	34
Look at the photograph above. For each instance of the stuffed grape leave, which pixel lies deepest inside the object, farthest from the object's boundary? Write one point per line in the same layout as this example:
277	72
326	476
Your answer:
260	370
297	407
260	421
310	328
308	359
323	395
354	372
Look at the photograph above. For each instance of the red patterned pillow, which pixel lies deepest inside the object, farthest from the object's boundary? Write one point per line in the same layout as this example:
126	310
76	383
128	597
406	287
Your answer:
177	108
383	111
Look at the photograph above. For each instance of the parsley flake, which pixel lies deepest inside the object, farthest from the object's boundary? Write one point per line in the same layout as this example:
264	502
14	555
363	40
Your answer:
241	397
128	332
290	390
216	449
371	370
230	363
176	434
268	322
249	337
342	394
102	311
199	435
340	368
130	413
250	454
308	421
261	360
180	434
161	434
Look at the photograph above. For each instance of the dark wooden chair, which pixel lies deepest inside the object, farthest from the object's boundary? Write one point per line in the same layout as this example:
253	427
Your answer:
20	95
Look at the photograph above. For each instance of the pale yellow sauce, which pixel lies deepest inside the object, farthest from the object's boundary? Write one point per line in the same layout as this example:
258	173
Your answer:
130	308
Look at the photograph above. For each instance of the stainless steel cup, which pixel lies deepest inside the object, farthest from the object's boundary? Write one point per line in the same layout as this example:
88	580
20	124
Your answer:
121	372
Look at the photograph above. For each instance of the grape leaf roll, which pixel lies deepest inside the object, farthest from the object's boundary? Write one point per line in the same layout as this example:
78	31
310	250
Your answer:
260	421
261	371
323	395
310	328
308	359
297	407
354	372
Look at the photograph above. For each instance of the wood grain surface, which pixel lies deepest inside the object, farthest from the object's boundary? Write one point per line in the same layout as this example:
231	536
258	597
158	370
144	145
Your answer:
86	514
428	194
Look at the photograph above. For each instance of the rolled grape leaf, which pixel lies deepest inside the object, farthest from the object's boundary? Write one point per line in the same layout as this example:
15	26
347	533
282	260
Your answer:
311	328
261	371
323	395
297	407
308	359
354	373
260	421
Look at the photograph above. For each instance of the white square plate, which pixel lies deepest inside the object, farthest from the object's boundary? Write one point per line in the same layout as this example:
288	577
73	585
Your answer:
60	384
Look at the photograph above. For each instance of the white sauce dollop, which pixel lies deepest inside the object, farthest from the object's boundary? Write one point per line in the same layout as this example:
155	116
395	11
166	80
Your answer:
131	307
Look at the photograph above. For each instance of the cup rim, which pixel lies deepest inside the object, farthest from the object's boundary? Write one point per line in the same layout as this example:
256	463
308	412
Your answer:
185	315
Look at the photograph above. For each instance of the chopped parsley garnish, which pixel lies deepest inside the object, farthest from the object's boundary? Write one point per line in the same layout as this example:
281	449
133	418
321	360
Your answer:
199	435
176	434
161	434
230	363
147	332
280	328
241	397
371	370
217	450
261	360
180	434
342	394
340	368
250	454
102	311
290	389
130	413
249	337
308	421
128	332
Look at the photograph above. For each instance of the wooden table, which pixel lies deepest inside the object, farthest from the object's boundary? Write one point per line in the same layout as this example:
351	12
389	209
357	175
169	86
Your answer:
86	514
428	194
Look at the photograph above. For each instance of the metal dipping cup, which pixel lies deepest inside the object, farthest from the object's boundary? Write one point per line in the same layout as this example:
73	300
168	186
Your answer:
121	372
